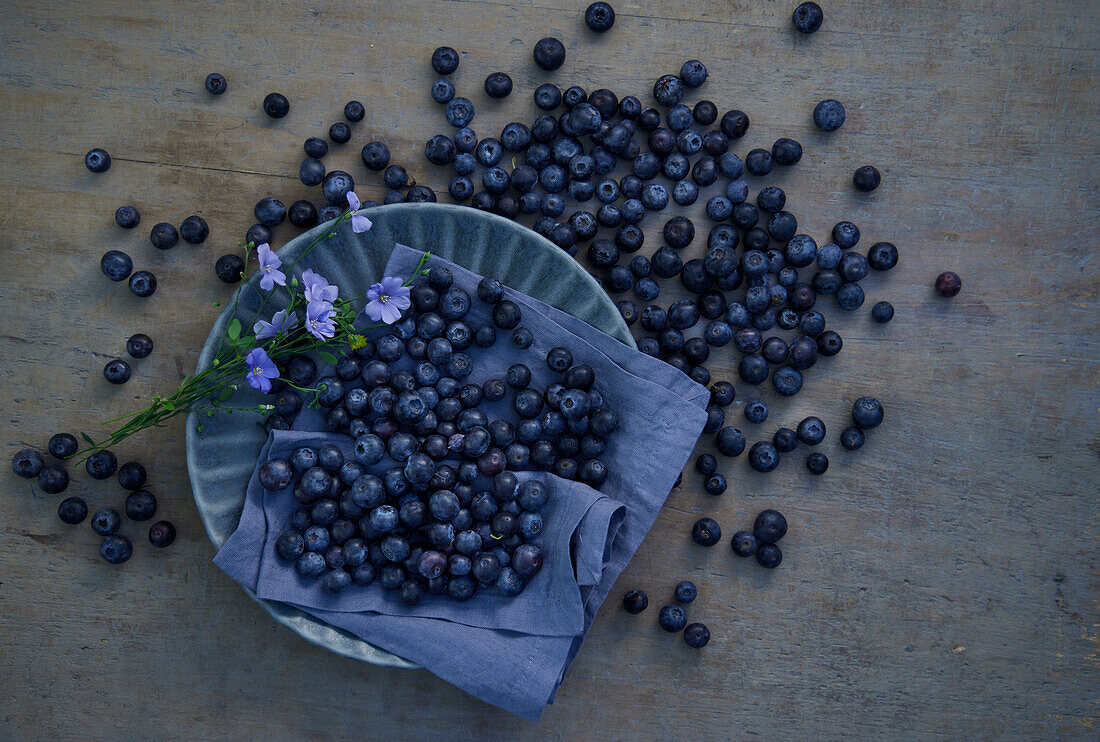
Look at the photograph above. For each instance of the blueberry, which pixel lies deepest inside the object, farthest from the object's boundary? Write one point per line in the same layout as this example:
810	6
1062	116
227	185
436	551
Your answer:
53	479
140	505
852	267
498	85
696	635
763	457
548	96
445	60
829	115
440	150
786	151
527	559
106	521
785	440
849	297
289	545
311	172
787	381
276	105
335	187
599	17
882	256
948	284
829	343
27	463
807	17
116	265
97	160
782	226
131	475
706	532
686	592
756	411
852	438
759	162
744	544
866	178
549	55
340	133
215	83
72	511
811	431
127	217
62	445
817	463
845	235
310	565
714	484
668	90
302	214
882	312
194	230
769	526
867	413
164	236
828	256
635	601
769	555
672	618
116	549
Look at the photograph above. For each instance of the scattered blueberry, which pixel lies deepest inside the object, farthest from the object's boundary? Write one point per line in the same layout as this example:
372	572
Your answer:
549	54
599	17
445	60
116	265
141	505
706	532
635	602
72	510
27	463
354	111
215	83
276	105
116	549
744	544
164	236
807	17
117	371
948	284
106	521
498	85
817	463
882	312
867	413
194	230
97	160
61	446
696	635
829	115
53	479
229	268
672	618
866	178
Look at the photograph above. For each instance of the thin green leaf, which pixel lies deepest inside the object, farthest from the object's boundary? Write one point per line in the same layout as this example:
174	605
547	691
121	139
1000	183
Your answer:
327	357
87	438
225	394
234	329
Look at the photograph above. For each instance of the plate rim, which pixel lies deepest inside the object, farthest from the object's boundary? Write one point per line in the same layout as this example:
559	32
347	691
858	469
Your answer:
370	653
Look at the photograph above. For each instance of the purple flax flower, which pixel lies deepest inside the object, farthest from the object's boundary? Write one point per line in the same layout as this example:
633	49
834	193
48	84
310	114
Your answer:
269	268
317	287
260	370
358	223
319	320
387	300
281	322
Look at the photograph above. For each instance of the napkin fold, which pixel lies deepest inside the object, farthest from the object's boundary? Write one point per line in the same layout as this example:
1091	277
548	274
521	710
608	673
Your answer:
511	652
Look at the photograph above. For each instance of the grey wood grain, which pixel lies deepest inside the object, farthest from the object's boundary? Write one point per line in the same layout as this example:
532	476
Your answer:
941	582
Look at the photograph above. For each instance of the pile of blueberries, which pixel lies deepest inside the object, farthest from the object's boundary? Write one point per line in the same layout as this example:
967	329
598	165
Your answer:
449	515
761	541
140	505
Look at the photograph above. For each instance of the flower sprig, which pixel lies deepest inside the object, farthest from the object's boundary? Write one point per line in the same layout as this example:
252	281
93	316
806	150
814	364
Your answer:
315	320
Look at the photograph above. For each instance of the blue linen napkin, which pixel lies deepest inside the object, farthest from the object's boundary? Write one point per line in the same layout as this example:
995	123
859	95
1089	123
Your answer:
509	652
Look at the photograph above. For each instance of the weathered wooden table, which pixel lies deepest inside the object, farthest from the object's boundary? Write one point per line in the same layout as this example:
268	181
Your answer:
939	583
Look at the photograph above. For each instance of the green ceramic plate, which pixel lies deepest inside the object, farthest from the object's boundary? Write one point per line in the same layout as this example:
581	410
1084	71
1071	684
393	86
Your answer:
221	458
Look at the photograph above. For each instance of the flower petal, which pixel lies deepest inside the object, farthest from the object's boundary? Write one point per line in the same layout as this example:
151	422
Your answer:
390	313
374	310
353	202
360	224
